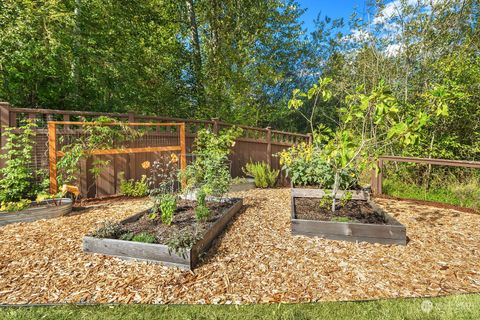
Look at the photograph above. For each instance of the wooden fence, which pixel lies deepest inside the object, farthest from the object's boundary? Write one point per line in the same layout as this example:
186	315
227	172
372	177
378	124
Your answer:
255	144
377	179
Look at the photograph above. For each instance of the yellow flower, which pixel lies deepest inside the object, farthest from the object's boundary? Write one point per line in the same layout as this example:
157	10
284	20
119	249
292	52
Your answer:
146	165
174	158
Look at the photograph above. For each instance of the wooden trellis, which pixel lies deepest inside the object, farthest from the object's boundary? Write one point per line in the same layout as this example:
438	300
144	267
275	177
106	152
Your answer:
54	154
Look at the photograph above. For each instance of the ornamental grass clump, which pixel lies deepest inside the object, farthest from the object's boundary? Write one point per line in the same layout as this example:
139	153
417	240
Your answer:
264	176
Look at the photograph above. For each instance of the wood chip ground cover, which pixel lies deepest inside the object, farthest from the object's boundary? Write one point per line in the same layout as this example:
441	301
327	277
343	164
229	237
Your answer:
255	261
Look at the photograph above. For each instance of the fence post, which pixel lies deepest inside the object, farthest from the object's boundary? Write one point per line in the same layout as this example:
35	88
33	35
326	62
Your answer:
310	138
377	178
52	157
269	146
215	125
131	157
4	122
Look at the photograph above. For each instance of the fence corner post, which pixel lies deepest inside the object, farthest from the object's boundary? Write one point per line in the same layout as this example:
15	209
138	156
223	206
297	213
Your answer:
310	138
269	146
215	125
377	178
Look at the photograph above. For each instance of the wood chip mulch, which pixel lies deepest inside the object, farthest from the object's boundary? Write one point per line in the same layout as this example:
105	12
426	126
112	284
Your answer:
255	261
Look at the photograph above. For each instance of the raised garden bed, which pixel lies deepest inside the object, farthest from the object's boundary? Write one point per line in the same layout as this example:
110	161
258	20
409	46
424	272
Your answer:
42	210
159	252
359	219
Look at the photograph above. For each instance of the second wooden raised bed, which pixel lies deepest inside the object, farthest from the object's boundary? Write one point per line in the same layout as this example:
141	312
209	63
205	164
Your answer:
391	232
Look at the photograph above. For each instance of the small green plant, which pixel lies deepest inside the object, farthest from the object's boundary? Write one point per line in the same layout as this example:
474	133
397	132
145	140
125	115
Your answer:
15	206
111	230
144	237
342	219
168	205
326	201
201	210
202	213
265	177
132	188
181	242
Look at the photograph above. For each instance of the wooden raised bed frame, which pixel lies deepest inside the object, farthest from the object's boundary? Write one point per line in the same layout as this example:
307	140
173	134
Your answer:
37	212
391	233
160	253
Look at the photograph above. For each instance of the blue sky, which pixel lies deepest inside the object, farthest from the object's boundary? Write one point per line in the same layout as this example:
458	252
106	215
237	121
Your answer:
331	8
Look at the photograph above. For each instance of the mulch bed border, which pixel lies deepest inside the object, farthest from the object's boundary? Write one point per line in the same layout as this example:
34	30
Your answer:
159	253
391	233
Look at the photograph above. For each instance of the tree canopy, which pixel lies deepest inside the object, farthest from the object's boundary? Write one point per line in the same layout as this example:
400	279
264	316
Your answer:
240	60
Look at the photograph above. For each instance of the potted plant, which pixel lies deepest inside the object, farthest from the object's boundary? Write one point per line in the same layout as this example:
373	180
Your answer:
339	208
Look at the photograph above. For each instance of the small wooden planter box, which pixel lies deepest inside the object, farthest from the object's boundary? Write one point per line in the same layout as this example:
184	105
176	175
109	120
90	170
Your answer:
159	253
44	210
391	233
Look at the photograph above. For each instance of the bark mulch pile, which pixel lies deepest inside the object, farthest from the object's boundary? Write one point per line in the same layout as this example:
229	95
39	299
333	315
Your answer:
256	260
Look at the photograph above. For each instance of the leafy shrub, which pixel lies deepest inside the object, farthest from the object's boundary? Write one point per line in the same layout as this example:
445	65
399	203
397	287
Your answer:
305	169
262	173
144	237
133	188
210	169
181	242
111	230
15	206
17	179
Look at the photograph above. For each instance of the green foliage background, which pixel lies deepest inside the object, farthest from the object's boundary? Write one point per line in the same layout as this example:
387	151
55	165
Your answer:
240	60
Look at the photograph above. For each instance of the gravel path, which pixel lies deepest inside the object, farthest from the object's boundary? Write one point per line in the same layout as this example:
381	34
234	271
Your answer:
256	260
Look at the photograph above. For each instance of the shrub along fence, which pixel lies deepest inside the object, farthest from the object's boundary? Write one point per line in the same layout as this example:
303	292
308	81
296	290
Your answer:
255	144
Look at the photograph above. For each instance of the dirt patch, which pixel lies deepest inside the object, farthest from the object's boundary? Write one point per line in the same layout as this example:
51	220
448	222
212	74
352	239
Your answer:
352	211
184	221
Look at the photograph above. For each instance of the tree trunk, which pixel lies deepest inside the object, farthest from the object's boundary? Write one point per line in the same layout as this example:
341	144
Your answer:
197	54
335	191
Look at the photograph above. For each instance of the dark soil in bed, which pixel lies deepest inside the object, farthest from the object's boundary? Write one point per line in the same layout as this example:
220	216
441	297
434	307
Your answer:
183	222
353	211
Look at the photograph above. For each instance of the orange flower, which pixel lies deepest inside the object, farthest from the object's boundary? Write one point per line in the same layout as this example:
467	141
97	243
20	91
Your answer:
174	158
146	165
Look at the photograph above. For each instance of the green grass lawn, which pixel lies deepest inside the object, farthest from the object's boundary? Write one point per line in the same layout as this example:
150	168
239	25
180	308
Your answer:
397	188
451	307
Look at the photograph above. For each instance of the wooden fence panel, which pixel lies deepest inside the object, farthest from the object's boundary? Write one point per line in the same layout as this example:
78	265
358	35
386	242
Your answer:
256	144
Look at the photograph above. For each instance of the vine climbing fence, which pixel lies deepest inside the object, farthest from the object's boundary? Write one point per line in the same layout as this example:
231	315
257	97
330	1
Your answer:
255	144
